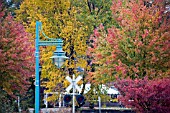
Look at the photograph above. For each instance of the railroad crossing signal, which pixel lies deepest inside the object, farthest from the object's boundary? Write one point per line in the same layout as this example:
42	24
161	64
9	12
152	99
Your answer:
74	86
73	83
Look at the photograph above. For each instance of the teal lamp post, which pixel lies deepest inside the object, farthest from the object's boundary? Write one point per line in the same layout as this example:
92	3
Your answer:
58	58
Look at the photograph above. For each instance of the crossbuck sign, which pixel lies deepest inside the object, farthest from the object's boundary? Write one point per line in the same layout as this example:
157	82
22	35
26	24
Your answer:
73	83
74	86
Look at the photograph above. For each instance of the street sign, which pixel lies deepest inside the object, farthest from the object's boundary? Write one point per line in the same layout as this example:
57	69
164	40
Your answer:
73	83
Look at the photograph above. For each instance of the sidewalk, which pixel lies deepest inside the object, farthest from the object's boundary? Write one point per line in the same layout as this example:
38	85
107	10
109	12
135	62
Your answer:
52	110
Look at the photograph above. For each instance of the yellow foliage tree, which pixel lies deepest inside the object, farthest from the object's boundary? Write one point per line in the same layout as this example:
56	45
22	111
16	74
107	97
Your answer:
58	18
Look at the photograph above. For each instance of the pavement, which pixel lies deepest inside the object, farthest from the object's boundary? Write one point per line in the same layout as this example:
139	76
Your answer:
85	110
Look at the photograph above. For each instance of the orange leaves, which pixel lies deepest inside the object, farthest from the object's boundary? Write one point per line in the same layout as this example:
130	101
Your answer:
98	56
90	50
111	36
96	33
113	54
90	76
146	32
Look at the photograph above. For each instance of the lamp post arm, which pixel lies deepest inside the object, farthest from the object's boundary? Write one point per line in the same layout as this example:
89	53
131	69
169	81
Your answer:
48	38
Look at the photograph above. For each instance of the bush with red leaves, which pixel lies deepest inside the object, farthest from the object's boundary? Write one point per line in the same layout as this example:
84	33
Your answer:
144	95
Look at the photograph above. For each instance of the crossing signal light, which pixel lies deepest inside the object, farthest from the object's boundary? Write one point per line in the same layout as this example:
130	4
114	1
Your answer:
67	98
80	99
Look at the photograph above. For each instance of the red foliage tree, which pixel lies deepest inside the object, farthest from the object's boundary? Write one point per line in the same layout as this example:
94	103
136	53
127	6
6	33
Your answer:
136	51
146	96
138	46
16	55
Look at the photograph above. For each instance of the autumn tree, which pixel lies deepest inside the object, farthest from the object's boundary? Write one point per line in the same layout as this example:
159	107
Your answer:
93	13
136	48
17	59
59	21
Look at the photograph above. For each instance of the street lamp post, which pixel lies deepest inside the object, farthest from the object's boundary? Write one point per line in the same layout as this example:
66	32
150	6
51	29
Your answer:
58	58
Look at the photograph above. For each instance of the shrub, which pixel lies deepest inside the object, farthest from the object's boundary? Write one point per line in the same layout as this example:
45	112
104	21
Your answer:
146	96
